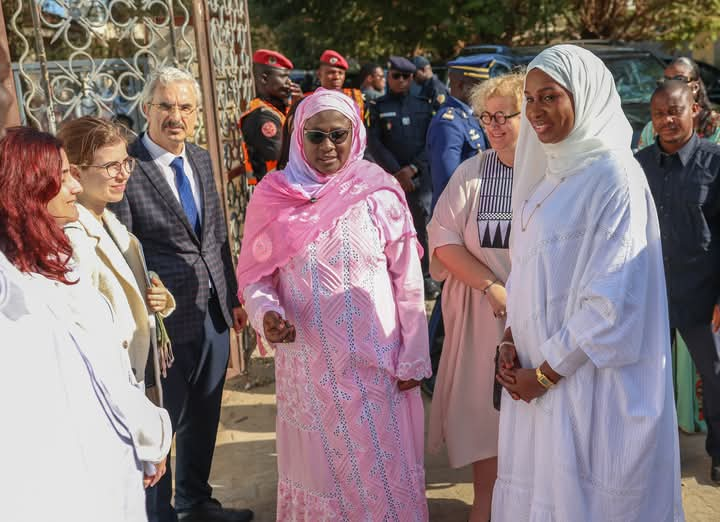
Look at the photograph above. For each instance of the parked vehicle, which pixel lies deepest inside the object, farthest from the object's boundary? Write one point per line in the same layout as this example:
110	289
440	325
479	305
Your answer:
636	71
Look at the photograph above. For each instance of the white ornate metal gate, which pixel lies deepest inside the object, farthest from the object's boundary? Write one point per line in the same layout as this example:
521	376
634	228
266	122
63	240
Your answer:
91	57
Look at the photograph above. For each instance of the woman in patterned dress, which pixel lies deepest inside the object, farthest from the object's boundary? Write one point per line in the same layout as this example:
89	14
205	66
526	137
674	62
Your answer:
330	275
469	235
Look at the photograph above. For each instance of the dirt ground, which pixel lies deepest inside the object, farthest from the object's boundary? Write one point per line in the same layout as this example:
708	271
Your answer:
244	469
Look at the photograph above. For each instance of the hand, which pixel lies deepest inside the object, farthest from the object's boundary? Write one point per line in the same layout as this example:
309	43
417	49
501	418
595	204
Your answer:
239	319
404	177
295	93
156	295
524	384
277	329
160	468
497	296
716	319
508	362
408	385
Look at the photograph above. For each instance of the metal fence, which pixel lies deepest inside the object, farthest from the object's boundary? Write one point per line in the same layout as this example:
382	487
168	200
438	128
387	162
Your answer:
92	57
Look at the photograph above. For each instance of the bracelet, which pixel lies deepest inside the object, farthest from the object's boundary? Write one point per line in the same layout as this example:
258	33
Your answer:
506	343
414	168
485	290
543	379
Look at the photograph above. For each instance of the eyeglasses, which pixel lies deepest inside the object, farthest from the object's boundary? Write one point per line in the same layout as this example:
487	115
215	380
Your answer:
166	108
398	75
337	136
114	168
500	117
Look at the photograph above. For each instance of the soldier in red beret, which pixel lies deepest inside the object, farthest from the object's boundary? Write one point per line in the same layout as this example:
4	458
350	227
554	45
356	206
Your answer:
331	74
261	124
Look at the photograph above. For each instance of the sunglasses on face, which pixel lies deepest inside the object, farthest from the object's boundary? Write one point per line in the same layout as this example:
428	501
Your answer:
337	136
399	75
500	117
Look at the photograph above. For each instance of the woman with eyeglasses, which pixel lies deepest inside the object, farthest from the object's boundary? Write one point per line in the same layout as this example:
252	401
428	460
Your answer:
74	426
469	235
330	275
109	256
707	122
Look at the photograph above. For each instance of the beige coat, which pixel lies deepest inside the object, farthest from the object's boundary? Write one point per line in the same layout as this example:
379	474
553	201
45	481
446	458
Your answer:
112	259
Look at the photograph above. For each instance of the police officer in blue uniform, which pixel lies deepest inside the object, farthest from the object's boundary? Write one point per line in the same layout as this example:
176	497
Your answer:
396	140
455	133
426	84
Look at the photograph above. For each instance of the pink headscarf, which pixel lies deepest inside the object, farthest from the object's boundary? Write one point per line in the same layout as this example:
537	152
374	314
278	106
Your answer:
290	208
298	172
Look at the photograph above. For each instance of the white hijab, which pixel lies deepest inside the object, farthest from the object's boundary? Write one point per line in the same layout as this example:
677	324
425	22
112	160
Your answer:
600	124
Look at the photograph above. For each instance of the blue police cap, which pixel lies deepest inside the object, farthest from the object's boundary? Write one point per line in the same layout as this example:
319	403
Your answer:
400	64
481	66
420	62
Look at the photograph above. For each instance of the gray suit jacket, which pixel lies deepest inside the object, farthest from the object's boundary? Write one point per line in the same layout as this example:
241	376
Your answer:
184	262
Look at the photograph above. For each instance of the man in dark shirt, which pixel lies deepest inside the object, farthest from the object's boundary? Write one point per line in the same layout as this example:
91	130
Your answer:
262	123
683	172
396	140
372	81
426	84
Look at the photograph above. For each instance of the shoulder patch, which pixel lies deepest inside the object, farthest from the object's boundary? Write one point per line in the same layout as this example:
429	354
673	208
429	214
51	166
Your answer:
448	115
269	129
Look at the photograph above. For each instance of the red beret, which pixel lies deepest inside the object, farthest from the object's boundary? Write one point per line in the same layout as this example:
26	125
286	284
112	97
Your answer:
334	59
274	58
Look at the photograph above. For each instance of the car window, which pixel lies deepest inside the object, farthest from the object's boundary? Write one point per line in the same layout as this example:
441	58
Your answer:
636	77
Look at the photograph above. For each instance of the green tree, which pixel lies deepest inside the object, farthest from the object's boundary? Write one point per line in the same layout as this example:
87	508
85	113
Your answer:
374	29
674	22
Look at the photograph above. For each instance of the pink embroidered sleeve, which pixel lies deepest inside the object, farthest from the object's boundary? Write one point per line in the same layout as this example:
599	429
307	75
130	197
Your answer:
260	298
403	262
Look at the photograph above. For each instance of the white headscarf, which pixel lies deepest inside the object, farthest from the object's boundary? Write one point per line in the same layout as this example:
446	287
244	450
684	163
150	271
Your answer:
600	124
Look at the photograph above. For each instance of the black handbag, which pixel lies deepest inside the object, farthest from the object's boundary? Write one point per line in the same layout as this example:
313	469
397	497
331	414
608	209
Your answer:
497	387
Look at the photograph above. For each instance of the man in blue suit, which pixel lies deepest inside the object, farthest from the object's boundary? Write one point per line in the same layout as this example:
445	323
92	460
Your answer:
454	135
172	206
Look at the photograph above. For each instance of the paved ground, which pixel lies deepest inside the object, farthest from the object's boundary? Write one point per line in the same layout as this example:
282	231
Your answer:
244	467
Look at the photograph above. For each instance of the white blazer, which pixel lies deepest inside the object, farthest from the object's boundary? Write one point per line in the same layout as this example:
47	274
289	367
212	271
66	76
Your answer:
108	255
103	430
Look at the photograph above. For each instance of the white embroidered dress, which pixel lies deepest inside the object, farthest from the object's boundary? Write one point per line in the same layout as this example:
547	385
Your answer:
587	294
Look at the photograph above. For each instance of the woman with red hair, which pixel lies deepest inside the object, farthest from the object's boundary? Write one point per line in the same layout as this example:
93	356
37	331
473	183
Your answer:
105	432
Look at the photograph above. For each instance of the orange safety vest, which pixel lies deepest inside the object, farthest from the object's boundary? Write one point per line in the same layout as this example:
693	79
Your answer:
270	165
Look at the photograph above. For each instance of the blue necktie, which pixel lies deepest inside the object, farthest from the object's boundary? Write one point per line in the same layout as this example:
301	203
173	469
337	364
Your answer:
186	196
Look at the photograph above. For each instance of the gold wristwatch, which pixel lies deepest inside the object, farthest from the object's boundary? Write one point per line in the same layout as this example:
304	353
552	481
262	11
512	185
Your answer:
542	379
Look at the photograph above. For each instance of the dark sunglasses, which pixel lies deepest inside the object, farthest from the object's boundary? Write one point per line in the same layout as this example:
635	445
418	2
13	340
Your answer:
500	117
398	75
337	136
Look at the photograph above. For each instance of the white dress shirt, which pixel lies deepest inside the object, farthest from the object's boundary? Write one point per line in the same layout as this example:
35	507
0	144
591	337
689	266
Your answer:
164	158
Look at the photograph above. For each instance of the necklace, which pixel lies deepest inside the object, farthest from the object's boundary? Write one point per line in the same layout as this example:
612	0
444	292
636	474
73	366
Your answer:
523	224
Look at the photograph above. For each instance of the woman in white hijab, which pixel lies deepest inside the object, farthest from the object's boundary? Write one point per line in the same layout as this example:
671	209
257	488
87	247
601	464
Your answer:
587	422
